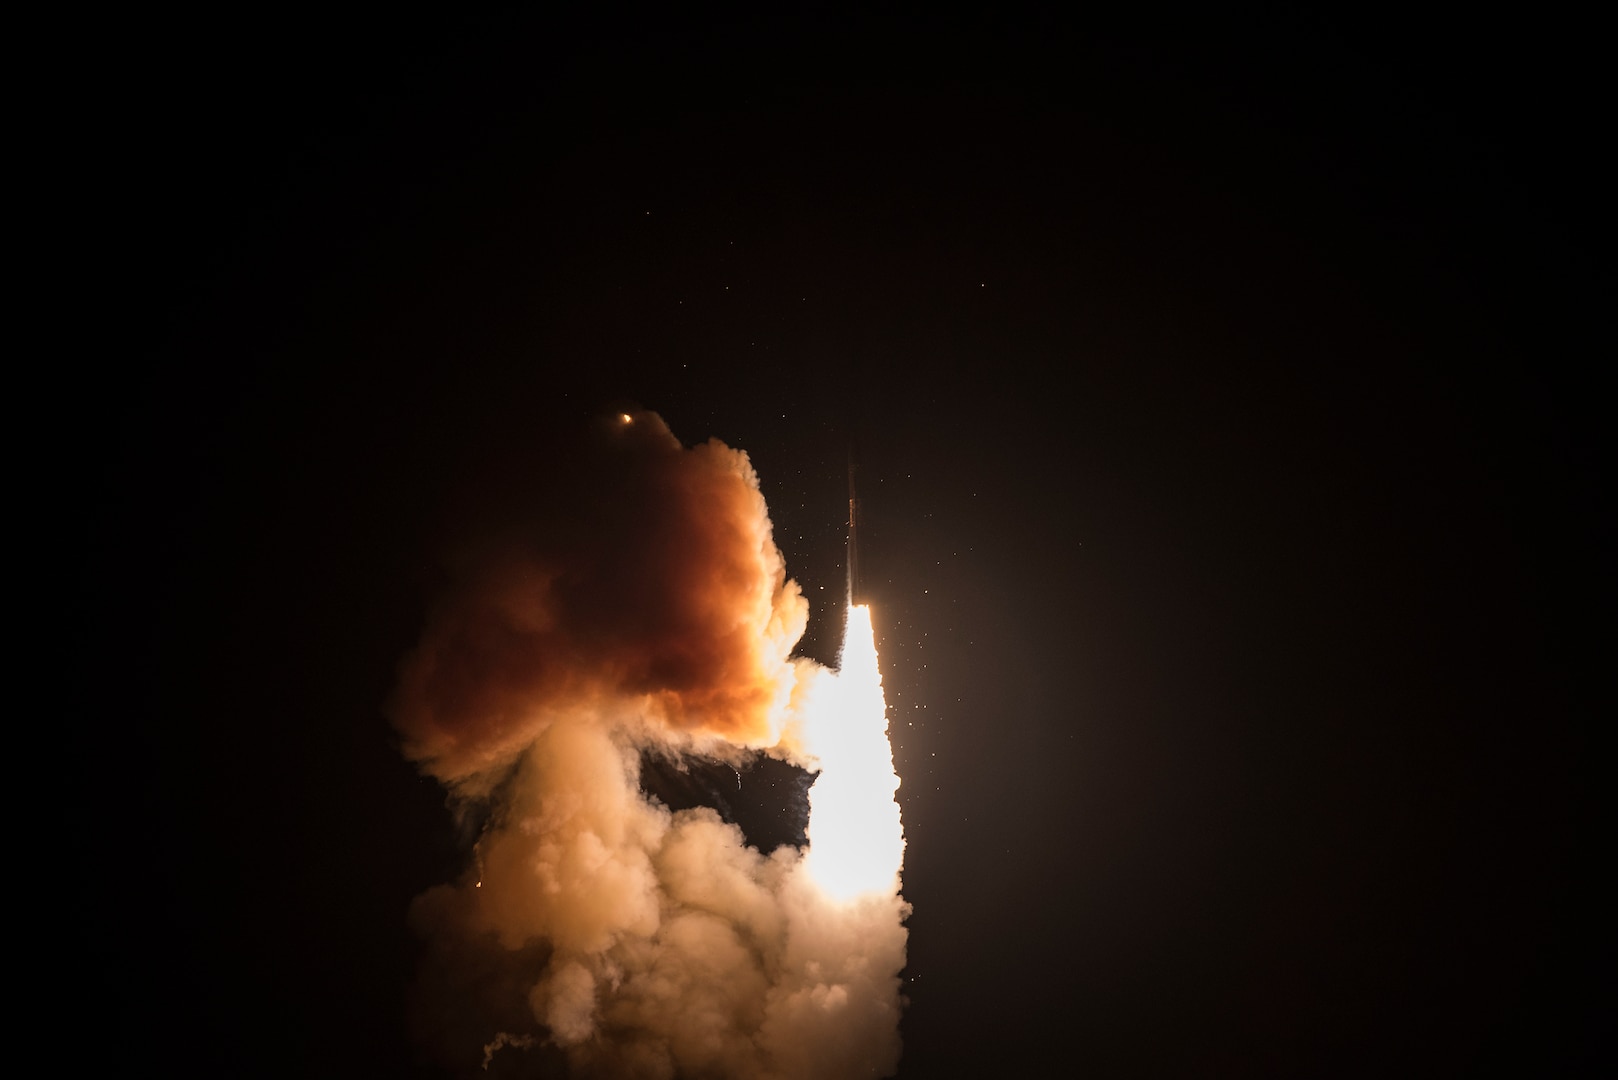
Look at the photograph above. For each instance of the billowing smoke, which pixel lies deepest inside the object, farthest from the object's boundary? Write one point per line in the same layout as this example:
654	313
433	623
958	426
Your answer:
646	616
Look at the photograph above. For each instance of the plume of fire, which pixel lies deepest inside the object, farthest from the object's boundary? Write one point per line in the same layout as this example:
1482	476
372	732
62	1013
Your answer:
856	840
595	930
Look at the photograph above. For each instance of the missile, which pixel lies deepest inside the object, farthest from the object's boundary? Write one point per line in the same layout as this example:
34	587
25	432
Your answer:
853	534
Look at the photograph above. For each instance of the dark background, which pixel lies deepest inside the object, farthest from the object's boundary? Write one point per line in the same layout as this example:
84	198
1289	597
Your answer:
1228	419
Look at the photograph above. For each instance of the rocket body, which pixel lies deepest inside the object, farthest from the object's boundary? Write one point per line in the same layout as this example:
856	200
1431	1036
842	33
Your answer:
853	538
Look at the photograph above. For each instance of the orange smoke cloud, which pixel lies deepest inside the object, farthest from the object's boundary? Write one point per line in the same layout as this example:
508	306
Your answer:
596	932
660	582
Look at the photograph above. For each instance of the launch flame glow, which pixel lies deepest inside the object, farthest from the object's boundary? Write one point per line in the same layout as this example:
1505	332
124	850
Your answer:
856	837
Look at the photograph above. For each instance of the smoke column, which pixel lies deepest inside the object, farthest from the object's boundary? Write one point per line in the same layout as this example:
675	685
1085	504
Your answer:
595	932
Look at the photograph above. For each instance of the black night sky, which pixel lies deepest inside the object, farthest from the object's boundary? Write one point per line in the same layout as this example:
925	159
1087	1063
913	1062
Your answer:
1226	414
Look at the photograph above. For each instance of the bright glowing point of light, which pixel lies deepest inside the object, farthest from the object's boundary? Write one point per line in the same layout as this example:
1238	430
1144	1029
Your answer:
856	839
623	418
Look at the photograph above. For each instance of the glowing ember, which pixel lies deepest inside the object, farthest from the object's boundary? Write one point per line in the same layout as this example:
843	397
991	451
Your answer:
856	839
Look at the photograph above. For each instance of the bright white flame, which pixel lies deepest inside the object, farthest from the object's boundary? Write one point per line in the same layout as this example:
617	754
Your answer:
856	839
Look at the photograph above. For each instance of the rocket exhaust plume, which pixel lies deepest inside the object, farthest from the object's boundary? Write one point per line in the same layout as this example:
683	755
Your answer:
645	617
856	841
